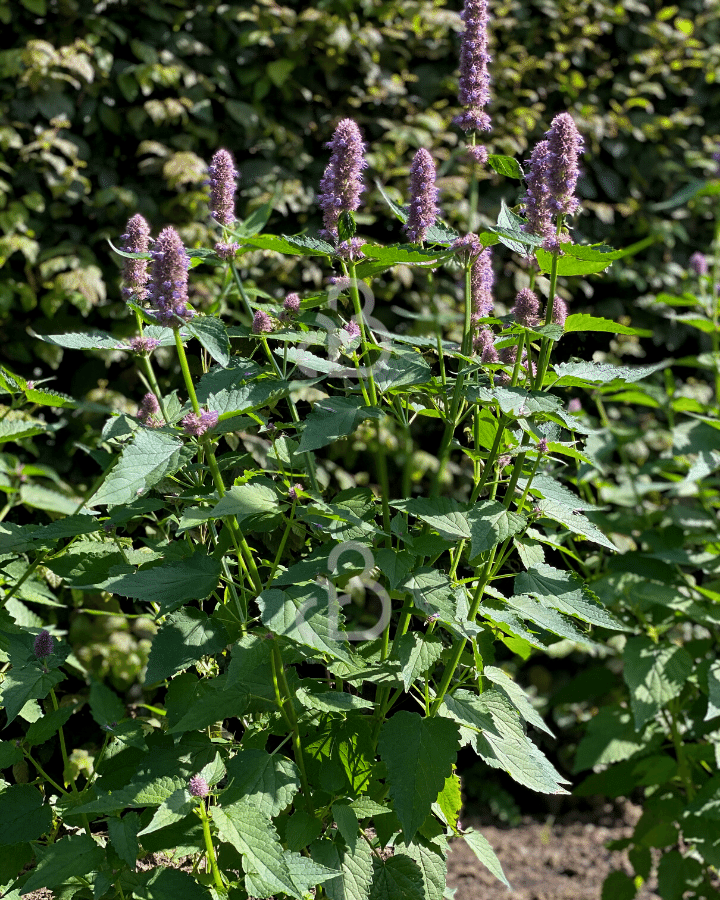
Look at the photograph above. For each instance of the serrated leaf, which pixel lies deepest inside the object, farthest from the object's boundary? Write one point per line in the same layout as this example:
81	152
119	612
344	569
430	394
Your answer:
480	846
575	522
23	815
584	322
297	245
106	707
28	683
212	334
354	867
171	810
333	418
397	878
70	526
211	703
713	680
431	859
609	738
509	230
166	883
516	402
44	397
83	340
44	728
255	505
517	696
407	254
150	456
548	619
491	524
75	855
253	835
330	701
267	781
123	837
448	517
170	584
301	829
419	754
307	873
566	592
449	801
18	429
417	654
505	165
578	374
495	730
401	370
249	654
10	754
569	264
184	637
655	674
432	592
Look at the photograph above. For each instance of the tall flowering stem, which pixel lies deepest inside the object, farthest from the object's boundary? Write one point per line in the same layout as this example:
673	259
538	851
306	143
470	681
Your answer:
342	183
474	85
423	197
168	291
135	274
223	184
209	848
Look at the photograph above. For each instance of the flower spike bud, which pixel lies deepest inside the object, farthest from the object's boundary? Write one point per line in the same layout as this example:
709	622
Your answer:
537	199
149	411
699	264
423	197
198	787
560	311
135	274
43	645
196	425
342	184
223	184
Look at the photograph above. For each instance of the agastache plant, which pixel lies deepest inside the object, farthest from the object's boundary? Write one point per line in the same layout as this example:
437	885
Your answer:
320	455
135	274
474	84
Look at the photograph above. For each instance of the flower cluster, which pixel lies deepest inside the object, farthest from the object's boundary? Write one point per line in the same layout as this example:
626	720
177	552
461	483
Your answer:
143	344
262	323
198	787
474	86
342	184
698	263
484	346
196	424
527	308
423	197
43	645
149	412
223	185
226	251
481	285
135	274
168	292
559	311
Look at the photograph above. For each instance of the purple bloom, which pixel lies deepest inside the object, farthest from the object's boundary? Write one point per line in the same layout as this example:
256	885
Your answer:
195	425
352	328
223	185
291	304
484	345
292	493
469	243
565	145
342	184
43	645
477	153
538	210
144	344
350	250
699	264
168	291
575	405
226	251
527	308
481	285
149	411
560	312
198	787
423	197
135	275
542	447
474	86
262	323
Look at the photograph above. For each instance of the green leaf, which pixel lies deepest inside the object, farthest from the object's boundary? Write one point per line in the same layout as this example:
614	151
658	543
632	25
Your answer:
105	705
517	696
564	591
184	637
306	873
584	322
655	674
28	683
509	230
43	397
480	846
491	524
505	165
609	738
333	418
400	370
302	614
255	505
579	374
431	859
70	857
516	402
83	340
397	878
10	754
548	619
574	521
431	591
162	883
448	517
418	653
266	781
150	456
354	867
171	584
253	835
211	702
330	701
419	754
171	810
493	726
23	815
407	254
44	728
449	801
123	837
713	681
292	246
17	429
302	829
249	654
570	263
70	526
212	334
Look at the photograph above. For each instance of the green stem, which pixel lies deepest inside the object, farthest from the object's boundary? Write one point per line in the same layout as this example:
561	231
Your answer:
45	774
209	849
544	357
285	701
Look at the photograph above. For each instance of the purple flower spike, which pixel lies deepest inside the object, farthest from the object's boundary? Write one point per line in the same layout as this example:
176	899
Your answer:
474	87
342	184
195	425
223	185
560	312
538	210
291	304
484	345
149	412
144	344
478	153
423	197
575	405
469	243
198	787
292	493
352	328
542	447
565	145
481	285
43	644
699	264
168	291
527	308
262	323
135	274
226	251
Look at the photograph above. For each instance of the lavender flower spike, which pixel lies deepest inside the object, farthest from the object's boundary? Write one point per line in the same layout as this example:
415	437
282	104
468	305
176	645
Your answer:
481	285
43	645
560	311
474	87
342	184
698	263
168	291
223	185
527	308
149	411
565	145
538	210
196	425
135	274
198	787
423	197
